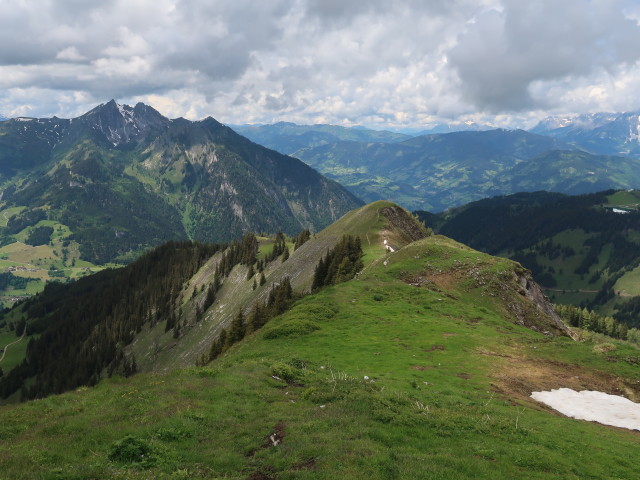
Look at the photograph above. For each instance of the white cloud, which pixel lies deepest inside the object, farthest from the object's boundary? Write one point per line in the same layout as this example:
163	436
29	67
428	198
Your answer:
403	63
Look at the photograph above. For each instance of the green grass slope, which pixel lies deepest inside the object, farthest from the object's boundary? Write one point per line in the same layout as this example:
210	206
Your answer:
577	247
421	367
158	350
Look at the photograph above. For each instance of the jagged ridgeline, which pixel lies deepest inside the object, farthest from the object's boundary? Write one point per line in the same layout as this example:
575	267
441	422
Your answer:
120	179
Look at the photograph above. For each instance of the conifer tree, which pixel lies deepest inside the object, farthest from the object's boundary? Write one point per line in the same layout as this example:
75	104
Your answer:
237	330
301	238
209	299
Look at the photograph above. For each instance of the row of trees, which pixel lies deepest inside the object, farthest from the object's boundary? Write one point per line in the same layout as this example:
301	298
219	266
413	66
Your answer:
341	263
593	322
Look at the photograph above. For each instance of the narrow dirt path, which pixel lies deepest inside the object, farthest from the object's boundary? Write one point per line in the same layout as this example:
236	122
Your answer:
4	350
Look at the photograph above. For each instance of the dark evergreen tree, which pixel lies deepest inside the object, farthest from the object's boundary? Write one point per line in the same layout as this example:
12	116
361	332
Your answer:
251	272
341	263
237	330
209	299
301	238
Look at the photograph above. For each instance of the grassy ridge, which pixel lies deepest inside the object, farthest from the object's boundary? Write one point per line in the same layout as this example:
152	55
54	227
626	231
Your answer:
417	369
575	246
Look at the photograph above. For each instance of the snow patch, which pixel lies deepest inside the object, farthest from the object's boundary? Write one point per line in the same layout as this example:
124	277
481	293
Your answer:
617	210
127	113
593	406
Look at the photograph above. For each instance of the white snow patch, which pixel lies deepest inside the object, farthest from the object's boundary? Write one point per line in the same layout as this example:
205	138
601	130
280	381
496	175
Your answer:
617	210
593	406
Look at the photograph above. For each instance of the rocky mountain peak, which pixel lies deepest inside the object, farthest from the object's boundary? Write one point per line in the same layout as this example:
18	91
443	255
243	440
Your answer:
122	124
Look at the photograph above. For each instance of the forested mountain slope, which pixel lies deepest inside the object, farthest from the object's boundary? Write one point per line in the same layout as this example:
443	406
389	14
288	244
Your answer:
120	179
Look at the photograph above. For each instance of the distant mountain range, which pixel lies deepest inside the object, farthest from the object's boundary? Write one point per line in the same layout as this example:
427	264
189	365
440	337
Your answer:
443	170
436	172
288	138
119	179
451	128
602	133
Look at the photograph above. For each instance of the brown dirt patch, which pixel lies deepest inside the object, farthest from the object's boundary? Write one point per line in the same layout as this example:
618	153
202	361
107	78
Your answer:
275	438
447	335
421	367
306	465
444	281
437	281
260	476
515	378
465	376
434	348
403	223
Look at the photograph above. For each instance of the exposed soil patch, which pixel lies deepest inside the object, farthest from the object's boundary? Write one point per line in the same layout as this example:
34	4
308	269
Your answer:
434	348
404	223
433	280
306	465
274	439
465	376
258	475
516	378
421	367
447	335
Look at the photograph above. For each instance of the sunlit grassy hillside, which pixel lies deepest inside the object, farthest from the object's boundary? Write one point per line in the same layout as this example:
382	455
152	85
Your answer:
421	367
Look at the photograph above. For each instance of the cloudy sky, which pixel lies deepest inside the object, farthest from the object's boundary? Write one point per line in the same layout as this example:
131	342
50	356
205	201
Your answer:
382	64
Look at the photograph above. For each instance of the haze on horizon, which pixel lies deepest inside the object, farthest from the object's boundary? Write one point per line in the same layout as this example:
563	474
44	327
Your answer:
378	64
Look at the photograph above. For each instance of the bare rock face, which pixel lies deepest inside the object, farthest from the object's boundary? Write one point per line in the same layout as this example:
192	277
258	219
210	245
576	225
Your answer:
405	223
121	124
531	290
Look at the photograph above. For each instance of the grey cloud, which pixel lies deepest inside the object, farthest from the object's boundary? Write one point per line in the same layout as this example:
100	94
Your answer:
504	52
301	60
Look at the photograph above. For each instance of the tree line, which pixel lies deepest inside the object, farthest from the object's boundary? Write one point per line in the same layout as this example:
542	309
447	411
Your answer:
594	322
84	326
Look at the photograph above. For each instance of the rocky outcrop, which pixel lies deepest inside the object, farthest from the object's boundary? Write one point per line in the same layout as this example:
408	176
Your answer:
532	291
